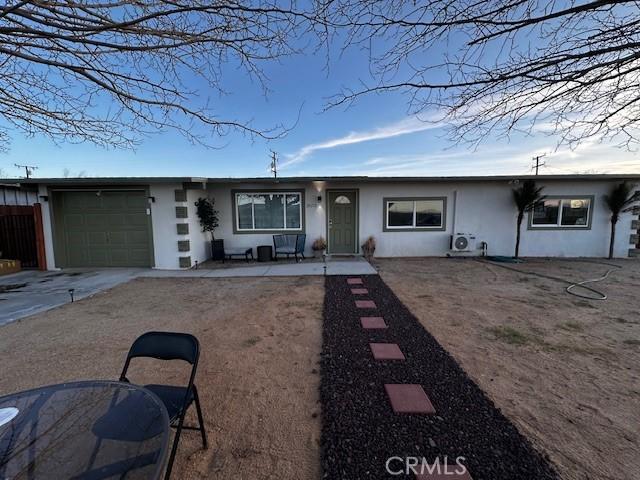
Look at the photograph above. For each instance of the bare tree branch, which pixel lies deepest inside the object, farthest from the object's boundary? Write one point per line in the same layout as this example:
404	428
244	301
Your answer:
111	72
569	68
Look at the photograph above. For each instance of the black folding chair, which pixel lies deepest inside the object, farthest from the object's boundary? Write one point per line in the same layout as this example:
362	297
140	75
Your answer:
171	346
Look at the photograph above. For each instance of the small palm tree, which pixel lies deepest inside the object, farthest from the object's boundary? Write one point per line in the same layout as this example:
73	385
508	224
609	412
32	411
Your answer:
527	196
620	197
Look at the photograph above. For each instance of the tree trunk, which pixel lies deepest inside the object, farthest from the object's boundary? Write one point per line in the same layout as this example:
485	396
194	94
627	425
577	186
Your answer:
614	220
520	217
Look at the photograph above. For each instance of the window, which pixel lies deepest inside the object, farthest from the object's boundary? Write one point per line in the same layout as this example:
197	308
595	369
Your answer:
414	214
562	213
256	211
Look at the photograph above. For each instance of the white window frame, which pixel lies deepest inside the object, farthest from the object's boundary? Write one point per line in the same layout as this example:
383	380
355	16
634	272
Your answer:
413	227
561	202
253	228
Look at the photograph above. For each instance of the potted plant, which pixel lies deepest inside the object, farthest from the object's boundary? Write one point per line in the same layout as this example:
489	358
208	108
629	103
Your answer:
369	247
208	216
318	247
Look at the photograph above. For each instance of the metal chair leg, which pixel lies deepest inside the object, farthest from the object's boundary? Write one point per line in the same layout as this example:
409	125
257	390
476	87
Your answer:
174	448
203	433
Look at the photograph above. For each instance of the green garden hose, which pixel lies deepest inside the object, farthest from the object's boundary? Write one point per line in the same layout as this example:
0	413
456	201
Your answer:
572	285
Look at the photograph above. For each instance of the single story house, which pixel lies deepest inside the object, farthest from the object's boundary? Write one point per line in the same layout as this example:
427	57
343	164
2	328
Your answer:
152	222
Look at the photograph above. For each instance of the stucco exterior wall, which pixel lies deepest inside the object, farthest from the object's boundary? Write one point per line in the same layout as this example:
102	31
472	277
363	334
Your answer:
200	241
314	216
487	211
163	218
580	243
484	209
48	230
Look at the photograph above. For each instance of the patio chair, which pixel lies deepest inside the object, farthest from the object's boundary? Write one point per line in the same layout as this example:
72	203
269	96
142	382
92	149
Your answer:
171	346
289	244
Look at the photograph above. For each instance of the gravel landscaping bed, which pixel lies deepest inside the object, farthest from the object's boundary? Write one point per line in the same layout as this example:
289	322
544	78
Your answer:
360	432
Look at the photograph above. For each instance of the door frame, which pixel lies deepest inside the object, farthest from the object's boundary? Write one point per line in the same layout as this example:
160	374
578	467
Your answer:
59	248
356	191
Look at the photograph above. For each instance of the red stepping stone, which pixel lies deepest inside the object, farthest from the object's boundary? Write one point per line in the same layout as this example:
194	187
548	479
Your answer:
451	473
408	398
365	304
354	281
371	323
386	351
359	291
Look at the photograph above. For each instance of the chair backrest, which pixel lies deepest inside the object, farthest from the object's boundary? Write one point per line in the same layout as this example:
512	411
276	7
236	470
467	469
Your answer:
300	239
290	240
164	346
279	241
287	240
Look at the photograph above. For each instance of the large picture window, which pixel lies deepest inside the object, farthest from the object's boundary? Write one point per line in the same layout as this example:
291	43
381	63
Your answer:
556	212
272	211
424	213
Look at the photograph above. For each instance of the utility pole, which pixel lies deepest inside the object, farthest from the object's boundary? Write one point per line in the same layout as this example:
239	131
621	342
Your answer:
28	169
538	164
274	164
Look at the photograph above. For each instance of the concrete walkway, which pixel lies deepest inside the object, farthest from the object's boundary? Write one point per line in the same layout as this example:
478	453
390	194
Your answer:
342	267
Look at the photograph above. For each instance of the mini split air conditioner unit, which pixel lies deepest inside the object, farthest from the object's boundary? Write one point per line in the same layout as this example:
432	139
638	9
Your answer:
462	242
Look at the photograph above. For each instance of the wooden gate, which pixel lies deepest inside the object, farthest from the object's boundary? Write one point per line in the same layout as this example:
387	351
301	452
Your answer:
21	235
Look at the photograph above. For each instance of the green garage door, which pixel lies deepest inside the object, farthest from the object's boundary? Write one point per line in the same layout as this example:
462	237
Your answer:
102	229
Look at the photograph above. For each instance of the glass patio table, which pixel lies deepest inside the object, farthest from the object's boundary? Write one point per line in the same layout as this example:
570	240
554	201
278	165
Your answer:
83	430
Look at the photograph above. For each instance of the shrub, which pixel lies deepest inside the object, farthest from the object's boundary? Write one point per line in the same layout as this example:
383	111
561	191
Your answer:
369	247
319	244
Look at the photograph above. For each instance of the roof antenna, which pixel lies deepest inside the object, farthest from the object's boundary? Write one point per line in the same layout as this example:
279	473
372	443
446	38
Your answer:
274	164
28	169
538	163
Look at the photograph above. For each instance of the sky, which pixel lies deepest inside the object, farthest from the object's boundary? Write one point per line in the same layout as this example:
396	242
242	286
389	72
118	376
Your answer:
376	136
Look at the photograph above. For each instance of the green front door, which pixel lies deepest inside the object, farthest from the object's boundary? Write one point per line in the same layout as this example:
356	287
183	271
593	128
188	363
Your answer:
342	222
102	229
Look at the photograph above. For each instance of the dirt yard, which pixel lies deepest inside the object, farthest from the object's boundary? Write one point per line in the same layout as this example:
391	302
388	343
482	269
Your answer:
258	375
565	370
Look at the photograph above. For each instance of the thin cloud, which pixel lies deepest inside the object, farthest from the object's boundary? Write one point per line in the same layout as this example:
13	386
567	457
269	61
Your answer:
589	157
403	127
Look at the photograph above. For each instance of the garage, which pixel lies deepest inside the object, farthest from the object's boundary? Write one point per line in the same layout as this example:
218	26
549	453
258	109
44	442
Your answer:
102	228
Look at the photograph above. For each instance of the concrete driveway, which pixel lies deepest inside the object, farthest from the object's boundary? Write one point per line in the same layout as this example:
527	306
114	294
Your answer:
30	292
